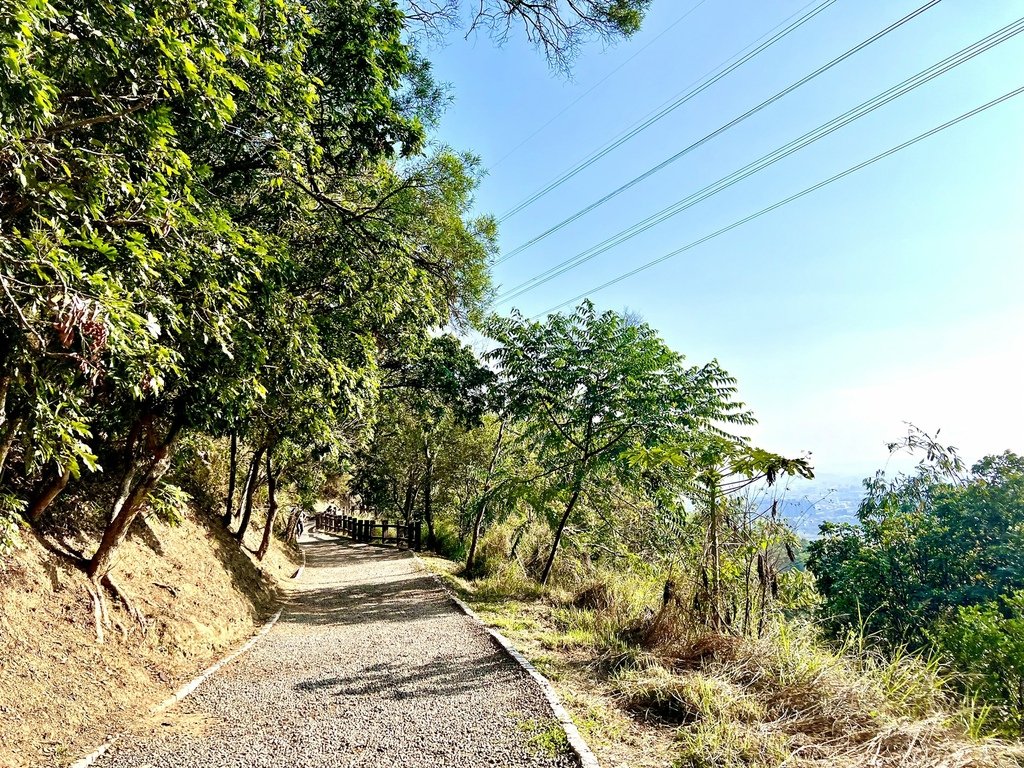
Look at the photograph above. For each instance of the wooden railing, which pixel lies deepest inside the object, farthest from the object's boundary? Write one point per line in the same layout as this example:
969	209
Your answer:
396	532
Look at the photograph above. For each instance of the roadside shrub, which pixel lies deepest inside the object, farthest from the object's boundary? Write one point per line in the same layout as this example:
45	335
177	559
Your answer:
986	642
10	510
199	468
448	542
492	552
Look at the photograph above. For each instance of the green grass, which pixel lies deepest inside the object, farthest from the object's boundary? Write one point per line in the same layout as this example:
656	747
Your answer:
727	744
546	737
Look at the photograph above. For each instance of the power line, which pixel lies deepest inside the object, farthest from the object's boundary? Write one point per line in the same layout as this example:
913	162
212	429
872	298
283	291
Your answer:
595	86
722	129
661	113
790	199
823	130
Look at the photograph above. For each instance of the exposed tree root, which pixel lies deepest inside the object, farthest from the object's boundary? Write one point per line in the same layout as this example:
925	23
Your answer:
101	608
129	606
98	610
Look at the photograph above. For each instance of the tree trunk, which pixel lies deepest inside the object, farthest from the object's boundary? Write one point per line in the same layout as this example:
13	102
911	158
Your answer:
129	503
577	487
250	491
410	500
747	600
10	427
46	497
5	385
481	509
268	529
428	481
7	437
232	471
516	538
716	562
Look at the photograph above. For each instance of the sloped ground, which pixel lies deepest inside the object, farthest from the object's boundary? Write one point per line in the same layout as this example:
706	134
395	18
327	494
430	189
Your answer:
61	693
370	665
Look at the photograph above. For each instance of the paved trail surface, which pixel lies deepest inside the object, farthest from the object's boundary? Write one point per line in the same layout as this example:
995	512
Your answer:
369	665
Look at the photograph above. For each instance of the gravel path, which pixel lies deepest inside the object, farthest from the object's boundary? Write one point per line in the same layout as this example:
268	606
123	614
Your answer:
369	665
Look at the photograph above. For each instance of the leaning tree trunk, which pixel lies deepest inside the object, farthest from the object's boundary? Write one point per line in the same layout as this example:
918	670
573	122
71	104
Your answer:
577	487
250	491
41	502
232	471
130	502
8	435
268	529
481	509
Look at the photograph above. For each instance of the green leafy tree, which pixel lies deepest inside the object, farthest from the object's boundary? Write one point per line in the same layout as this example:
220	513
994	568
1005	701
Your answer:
926	544
592	387
435	400
214	220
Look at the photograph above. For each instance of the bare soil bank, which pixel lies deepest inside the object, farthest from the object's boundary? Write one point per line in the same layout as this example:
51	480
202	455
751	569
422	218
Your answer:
62	693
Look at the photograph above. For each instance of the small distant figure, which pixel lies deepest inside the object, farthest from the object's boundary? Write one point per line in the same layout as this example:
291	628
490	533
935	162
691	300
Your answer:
299	527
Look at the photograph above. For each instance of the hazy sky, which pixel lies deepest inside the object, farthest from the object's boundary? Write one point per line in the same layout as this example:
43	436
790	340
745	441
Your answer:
892	295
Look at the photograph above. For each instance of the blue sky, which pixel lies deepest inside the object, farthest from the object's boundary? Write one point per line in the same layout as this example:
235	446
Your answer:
892	295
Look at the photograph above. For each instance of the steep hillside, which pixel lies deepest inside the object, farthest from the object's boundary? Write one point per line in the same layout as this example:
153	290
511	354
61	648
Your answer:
62	693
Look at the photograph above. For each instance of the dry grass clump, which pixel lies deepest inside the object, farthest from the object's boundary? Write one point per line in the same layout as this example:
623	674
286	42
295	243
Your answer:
787	699
598	596
729	744
658	693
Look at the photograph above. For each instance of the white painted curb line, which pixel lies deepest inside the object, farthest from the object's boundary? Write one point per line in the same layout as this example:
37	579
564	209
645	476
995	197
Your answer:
190	686
579	746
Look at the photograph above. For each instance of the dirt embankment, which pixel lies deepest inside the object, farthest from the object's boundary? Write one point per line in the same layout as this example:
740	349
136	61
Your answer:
62	693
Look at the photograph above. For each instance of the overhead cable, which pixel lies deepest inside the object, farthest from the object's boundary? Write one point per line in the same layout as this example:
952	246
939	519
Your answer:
720	130
820	132
595	86
671	107
809	190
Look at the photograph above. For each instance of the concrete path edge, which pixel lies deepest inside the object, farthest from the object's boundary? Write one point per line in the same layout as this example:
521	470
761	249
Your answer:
576	742
191	685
